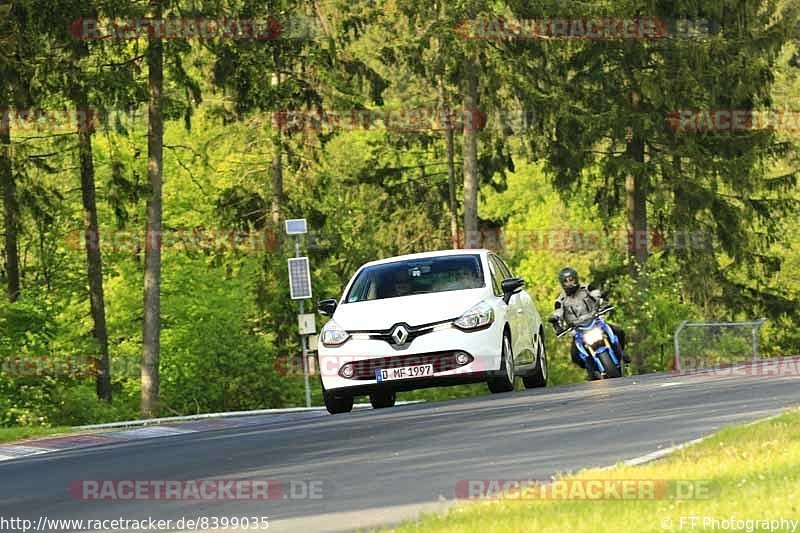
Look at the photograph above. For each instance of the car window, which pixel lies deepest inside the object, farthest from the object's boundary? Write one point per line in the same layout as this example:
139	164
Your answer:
417	276
364	288
497	276
506	272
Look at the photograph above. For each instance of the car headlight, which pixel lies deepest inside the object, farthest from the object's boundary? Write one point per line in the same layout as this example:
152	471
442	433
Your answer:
593	336
478	316
333	335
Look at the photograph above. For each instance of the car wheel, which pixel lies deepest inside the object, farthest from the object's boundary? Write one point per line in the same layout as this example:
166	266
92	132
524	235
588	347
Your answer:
505	382
382	399
337	403
539	376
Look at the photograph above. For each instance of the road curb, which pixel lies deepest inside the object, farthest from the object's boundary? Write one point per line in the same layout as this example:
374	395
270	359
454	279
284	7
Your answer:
130	430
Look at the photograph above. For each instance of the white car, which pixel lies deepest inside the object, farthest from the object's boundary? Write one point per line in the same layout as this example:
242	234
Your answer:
425	320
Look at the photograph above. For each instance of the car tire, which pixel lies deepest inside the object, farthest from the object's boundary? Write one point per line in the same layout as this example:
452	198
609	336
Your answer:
505	382
337	404
612	370
382	399
539	376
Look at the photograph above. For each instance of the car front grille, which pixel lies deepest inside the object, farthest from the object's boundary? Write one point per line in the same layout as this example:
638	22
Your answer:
441	361
413	332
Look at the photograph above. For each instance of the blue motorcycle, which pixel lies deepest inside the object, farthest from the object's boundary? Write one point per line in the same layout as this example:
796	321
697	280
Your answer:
597	345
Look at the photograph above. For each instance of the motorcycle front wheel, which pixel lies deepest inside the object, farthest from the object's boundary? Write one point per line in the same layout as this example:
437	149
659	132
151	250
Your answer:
612	370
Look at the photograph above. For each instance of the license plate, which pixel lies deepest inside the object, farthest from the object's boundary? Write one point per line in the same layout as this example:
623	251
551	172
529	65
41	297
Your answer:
404	372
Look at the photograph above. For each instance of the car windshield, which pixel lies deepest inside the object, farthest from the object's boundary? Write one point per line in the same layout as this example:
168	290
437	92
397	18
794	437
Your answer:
417	276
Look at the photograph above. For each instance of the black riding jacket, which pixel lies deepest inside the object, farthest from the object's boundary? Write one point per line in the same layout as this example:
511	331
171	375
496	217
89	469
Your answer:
578	307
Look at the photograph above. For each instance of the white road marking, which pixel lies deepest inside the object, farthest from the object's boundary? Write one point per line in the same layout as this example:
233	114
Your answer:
14	451
148	432
658	454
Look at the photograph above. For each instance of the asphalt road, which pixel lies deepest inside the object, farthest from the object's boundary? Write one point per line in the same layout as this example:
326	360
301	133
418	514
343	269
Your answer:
378	466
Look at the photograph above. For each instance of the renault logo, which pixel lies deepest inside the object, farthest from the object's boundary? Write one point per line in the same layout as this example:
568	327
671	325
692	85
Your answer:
400	335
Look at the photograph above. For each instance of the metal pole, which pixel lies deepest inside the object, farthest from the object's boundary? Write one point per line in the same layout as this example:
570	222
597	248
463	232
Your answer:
677	346
302	337
305	363
754	331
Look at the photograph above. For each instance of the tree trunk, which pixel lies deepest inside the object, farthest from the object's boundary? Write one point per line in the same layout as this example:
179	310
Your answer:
451	170
636	183
94	261
9	209
277	181
636	206
152	271
470	152
277	162
635	198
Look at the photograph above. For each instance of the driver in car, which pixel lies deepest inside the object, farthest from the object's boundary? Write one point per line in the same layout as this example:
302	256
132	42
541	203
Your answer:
461	279
577	304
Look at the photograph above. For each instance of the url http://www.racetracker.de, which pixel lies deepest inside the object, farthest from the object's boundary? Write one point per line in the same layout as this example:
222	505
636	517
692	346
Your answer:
199	523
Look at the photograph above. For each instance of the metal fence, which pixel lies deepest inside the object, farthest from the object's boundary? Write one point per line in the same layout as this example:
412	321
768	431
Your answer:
717	341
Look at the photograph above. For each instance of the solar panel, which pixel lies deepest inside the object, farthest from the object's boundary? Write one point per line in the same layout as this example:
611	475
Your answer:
299	278
296	226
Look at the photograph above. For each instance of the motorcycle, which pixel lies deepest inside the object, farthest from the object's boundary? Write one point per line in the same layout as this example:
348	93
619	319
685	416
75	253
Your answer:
597	345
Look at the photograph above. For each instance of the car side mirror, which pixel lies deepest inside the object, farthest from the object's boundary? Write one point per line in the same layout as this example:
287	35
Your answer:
511	286
327	307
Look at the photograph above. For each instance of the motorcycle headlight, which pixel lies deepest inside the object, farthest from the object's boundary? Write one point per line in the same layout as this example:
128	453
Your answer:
333	335
477	316
592	336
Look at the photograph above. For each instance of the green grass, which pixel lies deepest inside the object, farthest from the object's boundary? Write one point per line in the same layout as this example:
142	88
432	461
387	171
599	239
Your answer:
754	472
22	433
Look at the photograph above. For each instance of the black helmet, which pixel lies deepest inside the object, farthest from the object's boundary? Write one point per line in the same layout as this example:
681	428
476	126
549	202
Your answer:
568	278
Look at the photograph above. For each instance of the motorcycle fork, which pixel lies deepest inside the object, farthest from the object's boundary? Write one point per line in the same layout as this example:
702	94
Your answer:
595	362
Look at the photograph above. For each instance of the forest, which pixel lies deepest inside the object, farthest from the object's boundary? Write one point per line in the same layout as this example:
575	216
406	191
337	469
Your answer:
150	152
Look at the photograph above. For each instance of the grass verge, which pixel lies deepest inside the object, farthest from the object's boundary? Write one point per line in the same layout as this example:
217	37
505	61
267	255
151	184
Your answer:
22	433
749	472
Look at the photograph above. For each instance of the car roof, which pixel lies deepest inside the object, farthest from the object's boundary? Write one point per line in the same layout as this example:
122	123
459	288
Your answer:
424	255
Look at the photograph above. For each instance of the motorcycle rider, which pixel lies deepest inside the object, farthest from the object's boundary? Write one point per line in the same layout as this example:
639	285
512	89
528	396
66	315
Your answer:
577	304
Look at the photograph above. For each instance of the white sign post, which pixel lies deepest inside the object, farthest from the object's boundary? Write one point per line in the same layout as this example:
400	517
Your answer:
313	341
300	289
307	324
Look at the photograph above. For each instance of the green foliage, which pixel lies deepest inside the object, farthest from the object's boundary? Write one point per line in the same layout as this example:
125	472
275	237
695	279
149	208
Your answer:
227	322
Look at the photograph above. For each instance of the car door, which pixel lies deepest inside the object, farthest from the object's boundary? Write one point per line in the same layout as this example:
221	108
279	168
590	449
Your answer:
526	348
515	311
